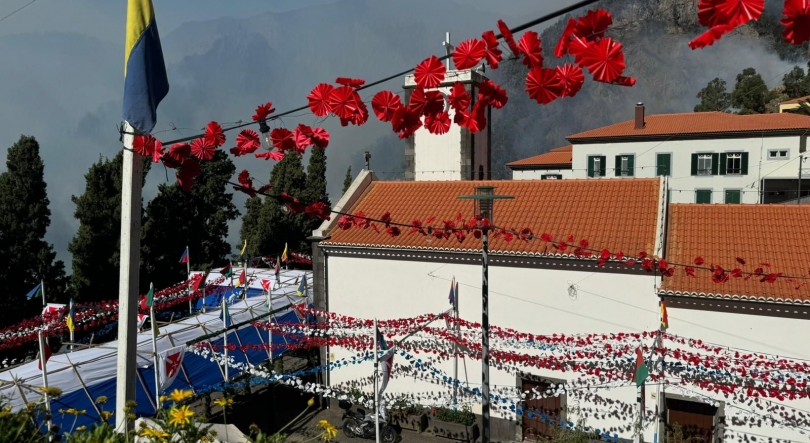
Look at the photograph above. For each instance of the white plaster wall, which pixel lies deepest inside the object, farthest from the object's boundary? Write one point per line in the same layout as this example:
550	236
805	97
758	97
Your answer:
537	174
681	182
538	301
438	157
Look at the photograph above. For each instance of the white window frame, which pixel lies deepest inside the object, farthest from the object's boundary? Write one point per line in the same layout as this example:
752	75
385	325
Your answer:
705	157
731	156
774	154
598	167
624	166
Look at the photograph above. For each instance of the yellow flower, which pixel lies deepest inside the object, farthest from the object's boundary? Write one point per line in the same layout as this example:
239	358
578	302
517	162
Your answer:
180	416
329	431
76	412
311	402
162	398
52	391
153	433
101	400
178	395
81	428
106	415
224	402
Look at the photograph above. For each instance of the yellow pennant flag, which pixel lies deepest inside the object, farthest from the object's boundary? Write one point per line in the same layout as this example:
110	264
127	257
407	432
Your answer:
284	254
243	248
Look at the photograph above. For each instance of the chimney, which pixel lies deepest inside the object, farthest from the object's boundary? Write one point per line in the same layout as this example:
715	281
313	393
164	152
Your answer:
639	115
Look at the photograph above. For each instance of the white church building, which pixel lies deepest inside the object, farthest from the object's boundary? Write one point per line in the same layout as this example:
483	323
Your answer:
536	288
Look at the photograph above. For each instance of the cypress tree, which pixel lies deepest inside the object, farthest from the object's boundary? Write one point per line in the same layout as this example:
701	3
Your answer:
197	219
348	180
25	257
316	187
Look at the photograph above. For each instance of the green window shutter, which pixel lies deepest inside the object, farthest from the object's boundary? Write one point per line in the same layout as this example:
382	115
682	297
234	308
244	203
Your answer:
669	196
631	165
603	162
733	197
663	164
618	169
715	163
590	166
744	164
723	163
694	164
703	196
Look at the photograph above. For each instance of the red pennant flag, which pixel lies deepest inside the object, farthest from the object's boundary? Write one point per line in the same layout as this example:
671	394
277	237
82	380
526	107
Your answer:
47	356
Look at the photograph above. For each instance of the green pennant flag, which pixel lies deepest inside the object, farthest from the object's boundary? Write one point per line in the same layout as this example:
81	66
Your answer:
641	374
150	297
226	271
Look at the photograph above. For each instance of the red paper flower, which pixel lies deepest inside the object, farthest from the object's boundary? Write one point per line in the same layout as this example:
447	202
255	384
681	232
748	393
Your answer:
438	123
143	145
572	79
434	103
350	82
303	138
477	119
469	53
262	111
565	39
417	101
343	102
320	137
214	135
384	104
246	182
729	12
529	45
177	154
714	34
593	25
459	99
508	38
360	116
605	60
493	50
698	261
406	121
157	152
493	94
282	139
203	149
271	155
247	142
624	81
797	21
318	210
430	72
543	85
187	173
319	99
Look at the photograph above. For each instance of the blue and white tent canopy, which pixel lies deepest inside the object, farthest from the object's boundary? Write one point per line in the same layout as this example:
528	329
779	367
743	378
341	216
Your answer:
86	374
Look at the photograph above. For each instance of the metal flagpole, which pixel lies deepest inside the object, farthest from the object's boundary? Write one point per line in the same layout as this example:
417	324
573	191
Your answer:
73	329
42	362
270	323
458	337
376	385
128	277
154	351
188	276
485	333
244	283
225	323
42	286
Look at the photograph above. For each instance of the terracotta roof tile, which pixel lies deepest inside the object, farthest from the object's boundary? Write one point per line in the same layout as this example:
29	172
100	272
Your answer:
555	157
795	100
697	124
614	214
775	234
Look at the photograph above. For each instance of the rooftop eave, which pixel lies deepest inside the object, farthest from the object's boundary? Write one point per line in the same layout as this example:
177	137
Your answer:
559	166
576	140
737	297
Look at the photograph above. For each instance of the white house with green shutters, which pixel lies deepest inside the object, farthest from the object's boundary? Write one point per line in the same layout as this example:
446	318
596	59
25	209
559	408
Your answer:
709	157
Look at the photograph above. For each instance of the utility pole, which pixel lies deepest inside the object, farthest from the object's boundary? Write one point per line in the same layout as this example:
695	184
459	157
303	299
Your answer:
367	156
128	277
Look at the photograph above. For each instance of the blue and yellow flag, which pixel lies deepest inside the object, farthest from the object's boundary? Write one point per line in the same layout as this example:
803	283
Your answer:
71	318
145	80
302	287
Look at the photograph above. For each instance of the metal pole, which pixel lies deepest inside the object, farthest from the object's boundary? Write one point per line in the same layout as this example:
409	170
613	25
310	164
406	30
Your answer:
188	276
799	190
376	391
128	278
270	323
485	334
73	329
42	362
458	337
225	340
155	353
640	394
42	286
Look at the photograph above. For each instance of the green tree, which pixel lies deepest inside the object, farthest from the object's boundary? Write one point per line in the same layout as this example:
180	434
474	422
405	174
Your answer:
265	226
803	109
750	93
197	219
796	83
25	257
348	180
96	245
316	187
714	97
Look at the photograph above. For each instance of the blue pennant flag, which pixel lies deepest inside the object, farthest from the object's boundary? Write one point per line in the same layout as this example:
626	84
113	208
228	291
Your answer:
37	291
452	296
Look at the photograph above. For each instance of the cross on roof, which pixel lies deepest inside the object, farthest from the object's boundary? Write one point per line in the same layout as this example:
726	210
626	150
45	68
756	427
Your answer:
448	49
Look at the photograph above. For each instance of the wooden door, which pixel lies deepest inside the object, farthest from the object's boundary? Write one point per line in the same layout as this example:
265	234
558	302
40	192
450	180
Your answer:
541	409
696	420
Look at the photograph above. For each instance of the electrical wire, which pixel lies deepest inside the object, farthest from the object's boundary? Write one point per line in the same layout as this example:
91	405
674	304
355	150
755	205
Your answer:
17	10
